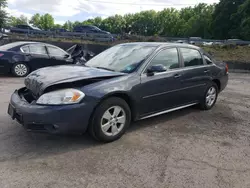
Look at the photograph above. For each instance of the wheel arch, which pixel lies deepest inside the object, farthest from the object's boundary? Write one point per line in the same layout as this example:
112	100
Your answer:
126	97
20	62
217	82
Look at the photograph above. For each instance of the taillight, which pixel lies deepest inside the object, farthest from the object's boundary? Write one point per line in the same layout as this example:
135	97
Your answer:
1	55
226	68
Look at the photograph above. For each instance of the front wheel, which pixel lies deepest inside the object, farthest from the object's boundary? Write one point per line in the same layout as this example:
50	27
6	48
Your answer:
210	97
110	120
20	70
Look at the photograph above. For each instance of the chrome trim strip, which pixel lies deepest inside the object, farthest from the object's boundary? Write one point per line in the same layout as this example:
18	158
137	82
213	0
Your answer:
167	111
173	91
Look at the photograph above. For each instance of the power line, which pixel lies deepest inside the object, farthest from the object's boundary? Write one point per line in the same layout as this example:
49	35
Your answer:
137	4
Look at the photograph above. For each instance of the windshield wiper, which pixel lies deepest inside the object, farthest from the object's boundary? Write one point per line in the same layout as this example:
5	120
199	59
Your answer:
105	68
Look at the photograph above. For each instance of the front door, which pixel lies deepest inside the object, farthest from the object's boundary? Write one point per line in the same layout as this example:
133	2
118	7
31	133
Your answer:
58	57
160	91
38	56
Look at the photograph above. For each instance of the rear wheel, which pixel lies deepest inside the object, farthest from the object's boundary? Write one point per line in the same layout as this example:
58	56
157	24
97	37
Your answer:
20	69
210	97
110	120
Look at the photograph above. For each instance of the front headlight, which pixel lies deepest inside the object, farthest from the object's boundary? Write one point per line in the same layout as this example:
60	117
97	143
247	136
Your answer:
64	96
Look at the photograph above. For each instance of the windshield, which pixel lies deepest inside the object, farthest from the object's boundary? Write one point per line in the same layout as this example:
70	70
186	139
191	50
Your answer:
96	28
33	27
122	58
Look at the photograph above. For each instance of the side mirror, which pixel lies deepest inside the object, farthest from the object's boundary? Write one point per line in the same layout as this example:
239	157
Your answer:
155	69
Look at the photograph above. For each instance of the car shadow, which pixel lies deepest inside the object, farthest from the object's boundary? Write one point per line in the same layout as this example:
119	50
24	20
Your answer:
30	145
164	118
9	76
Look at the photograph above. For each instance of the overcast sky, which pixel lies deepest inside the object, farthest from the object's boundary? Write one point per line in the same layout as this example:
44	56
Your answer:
63	10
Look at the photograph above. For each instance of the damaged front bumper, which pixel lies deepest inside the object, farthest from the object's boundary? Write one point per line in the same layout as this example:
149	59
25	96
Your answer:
51	119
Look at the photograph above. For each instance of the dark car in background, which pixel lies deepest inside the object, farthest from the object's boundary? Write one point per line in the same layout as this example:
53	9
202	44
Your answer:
21	58
26	29
195	41
124	83
236	42
59	30
89	29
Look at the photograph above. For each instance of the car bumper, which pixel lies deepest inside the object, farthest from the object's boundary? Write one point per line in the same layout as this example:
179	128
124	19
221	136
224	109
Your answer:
51	119
223	82
5	67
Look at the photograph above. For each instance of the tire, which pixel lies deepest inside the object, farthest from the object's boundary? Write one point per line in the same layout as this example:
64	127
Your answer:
20	69
212	90
115	114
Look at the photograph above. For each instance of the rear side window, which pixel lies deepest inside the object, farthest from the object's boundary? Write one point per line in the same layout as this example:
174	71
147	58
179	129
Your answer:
37	49
191	57
208	60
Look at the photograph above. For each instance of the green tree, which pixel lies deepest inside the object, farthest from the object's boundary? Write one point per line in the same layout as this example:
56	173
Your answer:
97	21
46	22
57	26
241	22
76	23
68	25
36	20
13	21
3	14
168	22
198	20
223	24
113	24
144	22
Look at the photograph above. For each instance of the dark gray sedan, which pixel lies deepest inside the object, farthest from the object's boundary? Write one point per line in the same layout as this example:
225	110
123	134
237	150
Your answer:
125	83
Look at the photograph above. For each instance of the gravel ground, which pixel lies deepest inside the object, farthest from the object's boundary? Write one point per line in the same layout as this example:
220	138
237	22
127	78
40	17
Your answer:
187	148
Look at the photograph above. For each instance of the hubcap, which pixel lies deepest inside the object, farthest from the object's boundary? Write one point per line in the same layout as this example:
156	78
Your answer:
211	96
21	69
113	121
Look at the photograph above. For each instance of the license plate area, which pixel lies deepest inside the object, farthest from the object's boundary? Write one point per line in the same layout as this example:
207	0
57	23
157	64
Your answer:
11	111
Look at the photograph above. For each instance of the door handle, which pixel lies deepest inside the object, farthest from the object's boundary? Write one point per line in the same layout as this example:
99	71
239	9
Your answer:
177	75
206	71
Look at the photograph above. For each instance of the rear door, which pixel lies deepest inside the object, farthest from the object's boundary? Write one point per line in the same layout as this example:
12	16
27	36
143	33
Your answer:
58	56
38	56
160	91
195	75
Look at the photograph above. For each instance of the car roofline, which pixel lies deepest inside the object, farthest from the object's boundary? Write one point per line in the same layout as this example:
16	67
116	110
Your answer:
163	44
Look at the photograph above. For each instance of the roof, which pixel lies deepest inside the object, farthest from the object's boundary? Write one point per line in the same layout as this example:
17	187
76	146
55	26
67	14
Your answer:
159	44
19	43
16	44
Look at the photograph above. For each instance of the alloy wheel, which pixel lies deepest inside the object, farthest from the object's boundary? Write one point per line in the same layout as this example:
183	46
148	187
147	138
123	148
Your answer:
113	121
211	96
21	69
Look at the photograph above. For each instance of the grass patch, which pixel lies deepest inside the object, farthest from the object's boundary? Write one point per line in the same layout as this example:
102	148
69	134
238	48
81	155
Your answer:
230	53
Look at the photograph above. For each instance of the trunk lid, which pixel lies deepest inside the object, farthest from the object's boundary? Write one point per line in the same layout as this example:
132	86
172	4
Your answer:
43	78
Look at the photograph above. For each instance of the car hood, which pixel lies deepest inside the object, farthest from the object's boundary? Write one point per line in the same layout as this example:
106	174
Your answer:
43	78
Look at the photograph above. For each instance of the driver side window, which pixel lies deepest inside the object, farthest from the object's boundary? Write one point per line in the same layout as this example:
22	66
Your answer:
168	58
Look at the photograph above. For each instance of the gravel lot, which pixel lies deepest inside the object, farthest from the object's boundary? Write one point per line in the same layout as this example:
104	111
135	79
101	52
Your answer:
187	148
